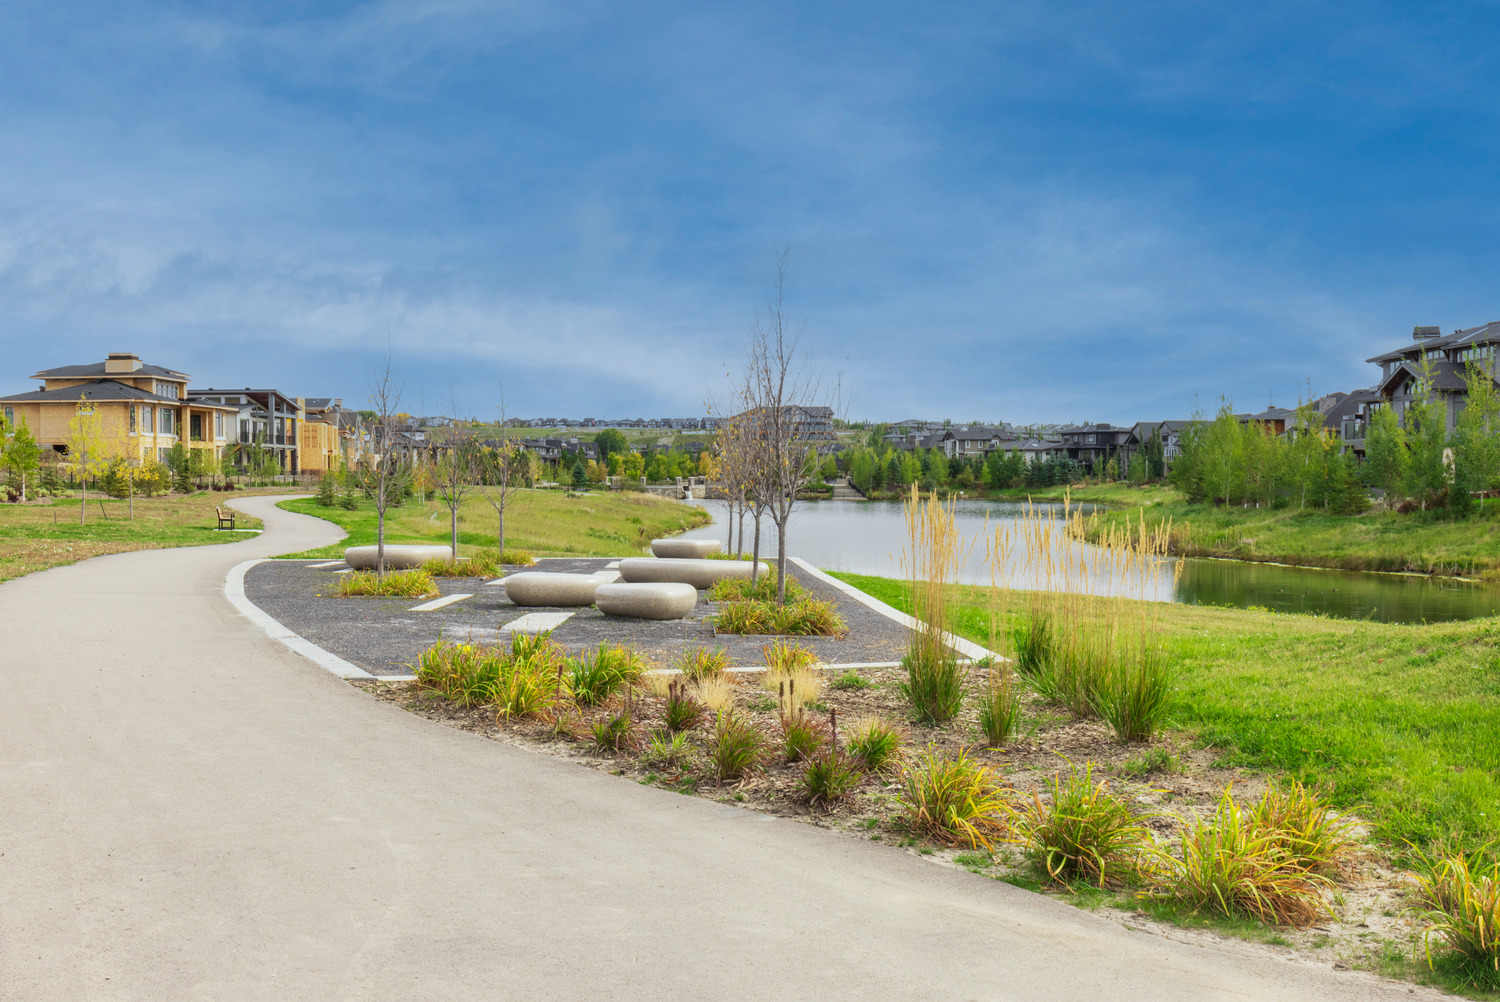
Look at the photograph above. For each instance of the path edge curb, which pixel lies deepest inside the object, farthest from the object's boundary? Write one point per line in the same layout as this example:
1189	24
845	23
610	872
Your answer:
234	591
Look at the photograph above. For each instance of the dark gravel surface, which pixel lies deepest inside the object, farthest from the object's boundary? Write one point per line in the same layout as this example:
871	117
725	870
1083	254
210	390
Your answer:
383	636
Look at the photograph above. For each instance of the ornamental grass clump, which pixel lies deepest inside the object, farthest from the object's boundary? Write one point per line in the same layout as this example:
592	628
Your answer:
1084	832
1306	828
1231	866
1460	906
875	742
460	673
803	736
1000	706
806	617
800	687
682	712
395	584
715	692
531	679
671	751
934	676
829	777
481	564
737	747
954	799
616	732
595	677
762	589
700	663
783	657
1133	694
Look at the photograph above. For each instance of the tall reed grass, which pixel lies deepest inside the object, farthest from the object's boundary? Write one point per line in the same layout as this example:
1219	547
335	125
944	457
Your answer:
935	678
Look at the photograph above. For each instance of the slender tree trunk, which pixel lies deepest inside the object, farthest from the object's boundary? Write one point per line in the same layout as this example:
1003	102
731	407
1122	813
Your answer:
83	498
500	530
380	531
729	543
755	554
453	512
781	562
739	549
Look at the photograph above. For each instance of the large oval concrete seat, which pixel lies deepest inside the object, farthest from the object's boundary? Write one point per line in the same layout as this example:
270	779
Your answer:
689	548
398	556
646	600
544	588
698	573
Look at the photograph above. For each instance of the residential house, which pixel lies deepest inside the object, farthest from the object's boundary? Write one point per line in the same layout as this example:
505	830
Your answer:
264	418
1140	434
1348	417
328	435
976	441
143	410
1445	358
1094	445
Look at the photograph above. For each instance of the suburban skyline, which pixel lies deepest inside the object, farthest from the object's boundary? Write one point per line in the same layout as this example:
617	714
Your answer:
1010	212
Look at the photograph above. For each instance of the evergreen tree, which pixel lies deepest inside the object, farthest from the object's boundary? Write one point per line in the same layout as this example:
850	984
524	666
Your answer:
580	476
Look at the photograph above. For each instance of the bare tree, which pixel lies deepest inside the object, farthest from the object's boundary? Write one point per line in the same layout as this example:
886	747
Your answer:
504	465
778	390
457	472
731	448
383	475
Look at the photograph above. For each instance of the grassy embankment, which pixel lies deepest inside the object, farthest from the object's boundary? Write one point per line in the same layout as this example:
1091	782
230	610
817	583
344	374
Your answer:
1375	541
1400	723
34	537
544	523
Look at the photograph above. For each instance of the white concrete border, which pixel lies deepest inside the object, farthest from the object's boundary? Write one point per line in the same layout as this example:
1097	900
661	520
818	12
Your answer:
438	603
967	648
234	591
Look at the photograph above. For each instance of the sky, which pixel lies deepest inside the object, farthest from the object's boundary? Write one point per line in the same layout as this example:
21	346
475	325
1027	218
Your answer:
1017	211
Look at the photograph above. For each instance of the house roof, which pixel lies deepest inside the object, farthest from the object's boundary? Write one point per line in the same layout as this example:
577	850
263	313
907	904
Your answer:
97	369
94	389
1448	376
1484	334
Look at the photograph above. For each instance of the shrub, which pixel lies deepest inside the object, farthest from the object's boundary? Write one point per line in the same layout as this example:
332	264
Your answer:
616	732
1000	707
1084	831
875	742
327	497
829	777
850	681
934	684
461	673
669	751
531	680
522	681
794	688
953	800
736	748
1132	697
745	618
1230	867
514	558
781	656
1305	828
714	692
395	584
1460	895
594	678
802	737
682	712
700	663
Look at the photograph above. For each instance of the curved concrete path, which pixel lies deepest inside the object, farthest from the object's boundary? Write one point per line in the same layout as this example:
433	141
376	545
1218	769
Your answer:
190	811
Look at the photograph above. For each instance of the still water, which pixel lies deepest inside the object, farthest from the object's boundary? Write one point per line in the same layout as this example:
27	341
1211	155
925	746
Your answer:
869	538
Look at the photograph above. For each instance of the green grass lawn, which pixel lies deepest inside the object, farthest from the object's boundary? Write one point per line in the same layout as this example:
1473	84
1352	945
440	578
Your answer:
1399	722
34	537
1375	541
546	523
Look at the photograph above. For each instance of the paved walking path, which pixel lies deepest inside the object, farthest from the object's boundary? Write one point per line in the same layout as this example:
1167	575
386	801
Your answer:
190	811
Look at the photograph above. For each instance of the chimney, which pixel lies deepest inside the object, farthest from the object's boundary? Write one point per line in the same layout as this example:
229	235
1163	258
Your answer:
118	363
1422	333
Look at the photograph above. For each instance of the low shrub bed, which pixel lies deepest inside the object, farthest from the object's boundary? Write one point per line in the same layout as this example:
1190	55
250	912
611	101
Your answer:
806	617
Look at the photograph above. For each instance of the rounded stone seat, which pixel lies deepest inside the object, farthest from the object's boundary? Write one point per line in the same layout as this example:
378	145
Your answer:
690	548
646	600
553	589
698	573
398	556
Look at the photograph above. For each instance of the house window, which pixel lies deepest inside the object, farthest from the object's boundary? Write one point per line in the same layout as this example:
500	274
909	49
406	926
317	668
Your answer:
218	426
166	426
147	425
166	390
10	415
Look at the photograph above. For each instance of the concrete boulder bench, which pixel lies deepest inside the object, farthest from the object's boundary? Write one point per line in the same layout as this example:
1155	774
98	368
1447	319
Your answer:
646	600
698	573
689	548
398	556
554	588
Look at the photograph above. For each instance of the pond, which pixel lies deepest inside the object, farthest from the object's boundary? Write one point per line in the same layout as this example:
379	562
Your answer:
869	537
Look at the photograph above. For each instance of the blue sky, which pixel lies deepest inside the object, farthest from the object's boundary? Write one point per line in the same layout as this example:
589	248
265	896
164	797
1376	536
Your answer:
1014	211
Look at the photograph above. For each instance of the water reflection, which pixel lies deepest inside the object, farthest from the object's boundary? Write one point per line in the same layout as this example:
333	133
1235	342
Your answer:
868	538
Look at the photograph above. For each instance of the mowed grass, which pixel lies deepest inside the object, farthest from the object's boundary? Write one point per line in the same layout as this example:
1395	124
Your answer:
545	523
1398	722
1427	543
1122	495
36	537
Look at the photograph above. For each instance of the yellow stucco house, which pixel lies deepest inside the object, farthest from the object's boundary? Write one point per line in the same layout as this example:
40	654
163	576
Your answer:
143	409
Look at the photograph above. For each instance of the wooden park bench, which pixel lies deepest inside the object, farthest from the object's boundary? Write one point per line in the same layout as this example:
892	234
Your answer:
226	519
